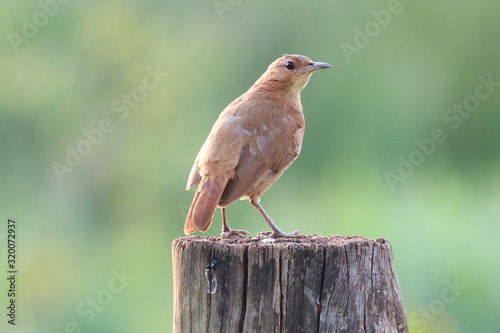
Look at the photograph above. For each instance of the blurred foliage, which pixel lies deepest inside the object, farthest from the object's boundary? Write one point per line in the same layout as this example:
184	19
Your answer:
121	206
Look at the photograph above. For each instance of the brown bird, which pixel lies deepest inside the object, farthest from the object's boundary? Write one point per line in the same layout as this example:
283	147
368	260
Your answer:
256	138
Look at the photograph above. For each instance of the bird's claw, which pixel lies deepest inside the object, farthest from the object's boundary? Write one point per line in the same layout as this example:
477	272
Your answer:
235	232
295	234
280	234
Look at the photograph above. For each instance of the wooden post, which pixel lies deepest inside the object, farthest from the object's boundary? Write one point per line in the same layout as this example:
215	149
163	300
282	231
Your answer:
312	284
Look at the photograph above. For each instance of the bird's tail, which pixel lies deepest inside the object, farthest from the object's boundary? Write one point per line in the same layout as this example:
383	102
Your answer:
204	204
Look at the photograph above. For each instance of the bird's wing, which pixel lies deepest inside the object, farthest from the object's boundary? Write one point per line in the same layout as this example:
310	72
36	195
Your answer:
194	176
249	171
266	153
219	154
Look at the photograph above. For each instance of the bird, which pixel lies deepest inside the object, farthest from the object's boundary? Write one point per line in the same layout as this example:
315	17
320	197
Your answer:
252	143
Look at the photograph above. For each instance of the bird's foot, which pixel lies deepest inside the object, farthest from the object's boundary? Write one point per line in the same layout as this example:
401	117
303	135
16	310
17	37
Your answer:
280	234
235	232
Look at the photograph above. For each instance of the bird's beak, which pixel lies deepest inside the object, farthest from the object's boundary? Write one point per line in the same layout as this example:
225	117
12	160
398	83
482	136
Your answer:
317	65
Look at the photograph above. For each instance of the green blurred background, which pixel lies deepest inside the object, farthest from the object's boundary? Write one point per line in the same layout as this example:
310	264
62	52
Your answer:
64	67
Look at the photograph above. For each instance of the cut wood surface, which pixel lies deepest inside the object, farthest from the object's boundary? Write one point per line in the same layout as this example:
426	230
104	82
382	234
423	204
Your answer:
311	284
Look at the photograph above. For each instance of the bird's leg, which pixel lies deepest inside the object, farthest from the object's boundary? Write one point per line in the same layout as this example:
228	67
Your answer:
277	233
226	231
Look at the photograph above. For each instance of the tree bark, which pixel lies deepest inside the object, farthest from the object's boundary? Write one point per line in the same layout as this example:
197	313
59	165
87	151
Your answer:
312	284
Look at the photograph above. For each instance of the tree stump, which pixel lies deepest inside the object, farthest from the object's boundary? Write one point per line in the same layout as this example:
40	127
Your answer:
312	284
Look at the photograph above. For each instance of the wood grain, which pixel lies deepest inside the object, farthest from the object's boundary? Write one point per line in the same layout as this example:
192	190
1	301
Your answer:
313	284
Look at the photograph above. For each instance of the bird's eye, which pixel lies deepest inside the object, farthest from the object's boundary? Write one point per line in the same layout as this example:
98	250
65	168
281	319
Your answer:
289	65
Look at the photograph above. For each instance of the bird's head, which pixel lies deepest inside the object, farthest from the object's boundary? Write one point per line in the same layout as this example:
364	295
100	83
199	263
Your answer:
291	71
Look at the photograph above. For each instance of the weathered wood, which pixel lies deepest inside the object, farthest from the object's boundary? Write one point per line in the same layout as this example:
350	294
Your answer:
314	284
